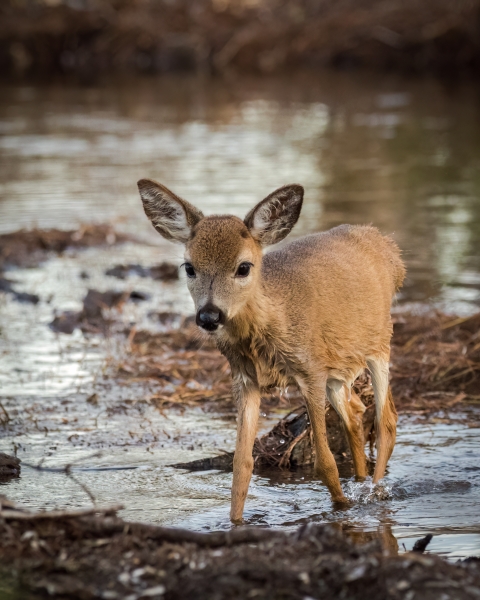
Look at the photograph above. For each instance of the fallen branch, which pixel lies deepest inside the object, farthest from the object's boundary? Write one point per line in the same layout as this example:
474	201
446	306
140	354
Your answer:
108	527
17	514
243	535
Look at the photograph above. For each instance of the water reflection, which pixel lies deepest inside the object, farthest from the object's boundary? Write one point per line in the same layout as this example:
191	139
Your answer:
402	155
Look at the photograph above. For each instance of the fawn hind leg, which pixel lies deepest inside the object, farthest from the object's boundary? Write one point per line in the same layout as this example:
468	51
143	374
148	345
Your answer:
385	415
350	409
325	465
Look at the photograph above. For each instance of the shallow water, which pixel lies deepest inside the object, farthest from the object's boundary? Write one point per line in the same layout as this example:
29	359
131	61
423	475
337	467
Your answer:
121	445
433	483
402	155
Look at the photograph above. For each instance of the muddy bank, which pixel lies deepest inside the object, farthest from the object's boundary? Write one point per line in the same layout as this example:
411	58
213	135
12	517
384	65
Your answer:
7	286
162	272
101	556
86	37
9	467
93	318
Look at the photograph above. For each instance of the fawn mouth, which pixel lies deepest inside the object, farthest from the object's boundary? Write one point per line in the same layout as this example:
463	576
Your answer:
211	327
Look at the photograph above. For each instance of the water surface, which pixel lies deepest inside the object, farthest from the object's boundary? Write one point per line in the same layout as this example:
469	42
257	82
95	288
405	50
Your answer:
404	156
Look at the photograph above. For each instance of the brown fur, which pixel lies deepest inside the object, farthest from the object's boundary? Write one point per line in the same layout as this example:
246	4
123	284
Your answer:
315	313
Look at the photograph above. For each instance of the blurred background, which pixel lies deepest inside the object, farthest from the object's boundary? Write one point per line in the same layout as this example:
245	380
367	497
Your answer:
372	105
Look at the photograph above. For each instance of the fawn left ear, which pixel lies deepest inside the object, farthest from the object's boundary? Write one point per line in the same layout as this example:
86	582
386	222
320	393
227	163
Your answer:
273	218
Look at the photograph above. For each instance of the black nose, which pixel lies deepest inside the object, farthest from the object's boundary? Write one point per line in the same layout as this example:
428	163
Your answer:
210	317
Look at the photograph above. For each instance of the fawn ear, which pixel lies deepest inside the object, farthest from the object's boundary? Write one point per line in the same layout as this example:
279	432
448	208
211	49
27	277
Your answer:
171	216
273	218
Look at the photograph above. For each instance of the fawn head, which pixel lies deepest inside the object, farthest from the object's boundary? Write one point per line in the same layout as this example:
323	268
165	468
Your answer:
223	254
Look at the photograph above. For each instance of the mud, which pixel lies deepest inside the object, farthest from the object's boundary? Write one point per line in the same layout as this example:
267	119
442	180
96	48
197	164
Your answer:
163	272
9	467
93	318
102	556
29	248
7	287
86	37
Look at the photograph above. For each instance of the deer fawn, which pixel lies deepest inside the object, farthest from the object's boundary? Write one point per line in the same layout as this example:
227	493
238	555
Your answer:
314	313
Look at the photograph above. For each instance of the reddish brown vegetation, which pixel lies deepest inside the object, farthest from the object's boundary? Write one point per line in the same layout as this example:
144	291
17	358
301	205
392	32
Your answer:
435	361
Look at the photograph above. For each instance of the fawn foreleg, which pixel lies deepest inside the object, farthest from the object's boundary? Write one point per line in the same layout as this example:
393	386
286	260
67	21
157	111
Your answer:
248	399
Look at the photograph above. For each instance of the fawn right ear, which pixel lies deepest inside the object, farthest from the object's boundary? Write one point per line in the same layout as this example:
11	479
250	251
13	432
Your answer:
171	216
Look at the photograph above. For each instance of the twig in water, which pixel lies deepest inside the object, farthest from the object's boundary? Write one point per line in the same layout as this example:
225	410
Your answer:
68	473
7	416
67	469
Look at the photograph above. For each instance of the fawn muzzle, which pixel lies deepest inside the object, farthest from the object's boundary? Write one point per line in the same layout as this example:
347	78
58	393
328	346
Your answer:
210	317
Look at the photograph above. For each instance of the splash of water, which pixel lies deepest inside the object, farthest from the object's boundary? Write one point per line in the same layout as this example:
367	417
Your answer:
365	492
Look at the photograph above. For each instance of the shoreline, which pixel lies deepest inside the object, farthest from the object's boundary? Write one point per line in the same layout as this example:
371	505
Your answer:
87	38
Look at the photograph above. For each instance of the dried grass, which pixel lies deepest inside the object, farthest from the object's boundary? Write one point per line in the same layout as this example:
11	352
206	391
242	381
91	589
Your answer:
435	365
435	361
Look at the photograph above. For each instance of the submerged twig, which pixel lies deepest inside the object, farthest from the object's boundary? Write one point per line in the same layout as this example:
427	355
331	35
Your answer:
67	469
7	416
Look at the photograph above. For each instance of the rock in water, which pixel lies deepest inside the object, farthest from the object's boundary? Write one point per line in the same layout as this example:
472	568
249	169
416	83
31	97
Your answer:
9	466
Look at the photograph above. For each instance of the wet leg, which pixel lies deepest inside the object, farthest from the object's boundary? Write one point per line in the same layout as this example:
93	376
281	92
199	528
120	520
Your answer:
385	415
248	399
325	466
350	410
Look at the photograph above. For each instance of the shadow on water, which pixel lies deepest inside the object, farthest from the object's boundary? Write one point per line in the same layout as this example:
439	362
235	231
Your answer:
402	155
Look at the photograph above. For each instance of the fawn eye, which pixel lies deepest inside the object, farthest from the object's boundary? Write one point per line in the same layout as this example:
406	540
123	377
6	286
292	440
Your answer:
189	270
243	270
